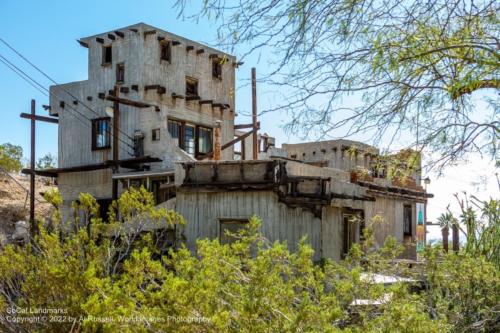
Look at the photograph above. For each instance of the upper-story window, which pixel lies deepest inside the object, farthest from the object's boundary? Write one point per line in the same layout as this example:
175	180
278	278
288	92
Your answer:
204	140
101	133
191	86
166	51
107	57
120	73
217	68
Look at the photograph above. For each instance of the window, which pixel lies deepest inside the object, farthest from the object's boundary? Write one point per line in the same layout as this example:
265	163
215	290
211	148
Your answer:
189	139
232	226
155	134
174	128
191	87
120	73
195	140
353	225
106	55
100	133
204	140
165	51
407	220
217	68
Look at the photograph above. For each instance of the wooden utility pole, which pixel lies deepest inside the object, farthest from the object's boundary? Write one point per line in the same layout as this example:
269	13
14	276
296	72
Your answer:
32	175
116	141
254	115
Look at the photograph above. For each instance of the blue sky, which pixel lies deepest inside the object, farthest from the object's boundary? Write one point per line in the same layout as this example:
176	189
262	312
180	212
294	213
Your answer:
45	32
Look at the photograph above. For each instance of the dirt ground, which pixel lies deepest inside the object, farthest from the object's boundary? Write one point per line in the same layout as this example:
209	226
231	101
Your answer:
14	202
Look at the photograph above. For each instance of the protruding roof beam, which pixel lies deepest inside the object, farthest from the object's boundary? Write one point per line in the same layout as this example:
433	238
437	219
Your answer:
111	36
120	34
189	48
174	95
200	51
83	43
100	40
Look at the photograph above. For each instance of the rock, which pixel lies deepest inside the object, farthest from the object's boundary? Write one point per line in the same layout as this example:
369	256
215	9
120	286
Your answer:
21	232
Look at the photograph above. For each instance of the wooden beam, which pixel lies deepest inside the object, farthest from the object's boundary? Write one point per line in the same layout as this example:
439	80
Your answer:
213	56
86	45
111	36
254	115
200	51
206	101
126	163
189	48
32	176
174	95
116	138
236	140
175	43
149	32
242	126
160	38
193	98
134	30
129	102
151	87
100	40
119	34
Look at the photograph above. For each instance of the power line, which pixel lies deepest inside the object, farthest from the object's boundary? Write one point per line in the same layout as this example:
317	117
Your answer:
30	80
53	81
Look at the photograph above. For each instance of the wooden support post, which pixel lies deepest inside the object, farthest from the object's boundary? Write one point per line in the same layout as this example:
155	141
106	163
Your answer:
455	238
32	175
217	144
254	115
445	231
116	141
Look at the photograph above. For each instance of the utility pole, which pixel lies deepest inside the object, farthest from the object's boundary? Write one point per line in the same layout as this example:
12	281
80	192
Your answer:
116	141
32	174
254	115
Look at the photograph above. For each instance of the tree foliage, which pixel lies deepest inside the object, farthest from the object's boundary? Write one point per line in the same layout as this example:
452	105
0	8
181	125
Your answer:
10	157
114	278
411	65
46	162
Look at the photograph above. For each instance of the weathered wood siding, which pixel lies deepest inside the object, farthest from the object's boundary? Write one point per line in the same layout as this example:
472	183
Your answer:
202	211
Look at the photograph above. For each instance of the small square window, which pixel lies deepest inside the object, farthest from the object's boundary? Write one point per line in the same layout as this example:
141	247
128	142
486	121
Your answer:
229	229
120	73
107	56
191	86
166	51
101	133
155	135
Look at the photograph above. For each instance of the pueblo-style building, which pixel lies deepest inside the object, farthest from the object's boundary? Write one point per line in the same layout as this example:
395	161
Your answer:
158	110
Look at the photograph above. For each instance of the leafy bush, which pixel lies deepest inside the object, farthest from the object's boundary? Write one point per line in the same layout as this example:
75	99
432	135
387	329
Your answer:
113	277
